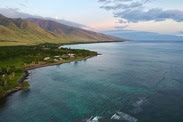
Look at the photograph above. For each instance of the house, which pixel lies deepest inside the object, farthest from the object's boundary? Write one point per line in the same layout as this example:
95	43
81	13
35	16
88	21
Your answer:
47	58
71	55
56	56
56	60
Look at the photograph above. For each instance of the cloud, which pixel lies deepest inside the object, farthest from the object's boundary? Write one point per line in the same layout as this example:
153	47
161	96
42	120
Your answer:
113	1
156	14
122	6
15	13
109	1
181	32
121	27
135	11
23	5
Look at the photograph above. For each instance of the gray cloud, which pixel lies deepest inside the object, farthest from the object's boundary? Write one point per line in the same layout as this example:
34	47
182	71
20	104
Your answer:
15	13
121	27
135	11
113	1
109	1
155	14
122	6
181	32
23	5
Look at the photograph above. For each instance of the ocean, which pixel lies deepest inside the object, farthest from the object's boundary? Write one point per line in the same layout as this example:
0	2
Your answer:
130	81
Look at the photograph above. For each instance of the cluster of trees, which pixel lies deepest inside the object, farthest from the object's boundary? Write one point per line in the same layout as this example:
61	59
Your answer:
36	53
7	76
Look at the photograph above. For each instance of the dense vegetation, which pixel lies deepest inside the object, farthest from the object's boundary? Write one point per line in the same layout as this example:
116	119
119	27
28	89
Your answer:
15	59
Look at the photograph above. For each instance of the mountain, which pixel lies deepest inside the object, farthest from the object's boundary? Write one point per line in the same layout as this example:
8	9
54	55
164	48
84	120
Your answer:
143	36
74	32
1	16
65	22
15	13
26	32
21	32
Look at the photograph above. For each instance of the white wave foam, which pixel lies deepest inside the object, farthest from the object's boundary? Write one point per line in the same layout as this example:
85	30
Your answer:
138	105
94	119
123	116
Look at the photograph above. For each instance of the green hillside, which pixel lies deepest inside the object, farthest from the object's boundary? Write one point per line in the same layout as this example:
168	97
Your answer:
23	32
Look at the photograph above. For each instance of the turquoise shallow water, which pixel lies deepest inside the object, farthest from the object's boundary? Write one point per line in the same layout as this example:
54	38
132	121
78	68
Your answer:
142	79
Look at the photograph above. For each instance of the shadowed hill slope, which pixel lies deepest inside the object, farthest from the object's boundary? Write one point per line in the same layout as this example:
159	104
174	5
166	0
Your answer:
37	31
58	28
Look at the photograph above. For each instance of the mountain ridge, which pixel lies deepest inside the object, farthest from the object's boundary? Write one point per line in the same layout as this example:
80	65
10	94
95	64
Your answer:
59	28
29	32
143	35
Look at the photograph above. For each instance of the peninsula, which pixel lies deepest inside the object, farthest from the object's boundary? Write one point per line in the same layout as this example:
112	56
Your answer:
16	60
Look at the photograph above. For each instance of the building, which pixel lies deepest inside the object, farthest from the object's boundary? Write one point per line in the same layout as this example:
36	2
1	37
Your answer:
47	58
71	55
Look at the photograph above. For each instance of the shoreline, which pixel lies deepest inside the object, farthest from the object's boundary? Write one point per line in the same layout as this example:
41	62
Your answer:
64	44
74	43
26	73
59	63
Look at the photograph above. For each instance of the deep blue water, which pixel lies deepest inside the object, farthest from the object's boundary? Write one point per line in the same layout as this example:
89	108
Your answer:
141	79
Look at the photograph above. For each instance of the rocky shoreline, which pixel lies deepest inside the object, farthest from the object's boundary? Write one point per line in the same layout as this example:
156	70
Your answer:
9	92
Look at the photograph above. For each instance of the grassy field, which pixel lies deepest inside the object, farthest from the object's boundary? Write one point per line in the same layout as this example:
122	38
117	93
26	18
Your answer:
14	60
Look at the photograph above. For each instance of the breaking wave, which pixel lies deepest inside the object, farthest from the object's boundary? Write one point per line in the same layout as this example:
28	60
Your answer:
117	116
123	116
94	119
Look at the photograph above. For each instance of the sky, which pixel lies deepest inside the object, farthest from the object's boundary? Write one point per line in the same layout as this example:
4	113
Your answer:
161	16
